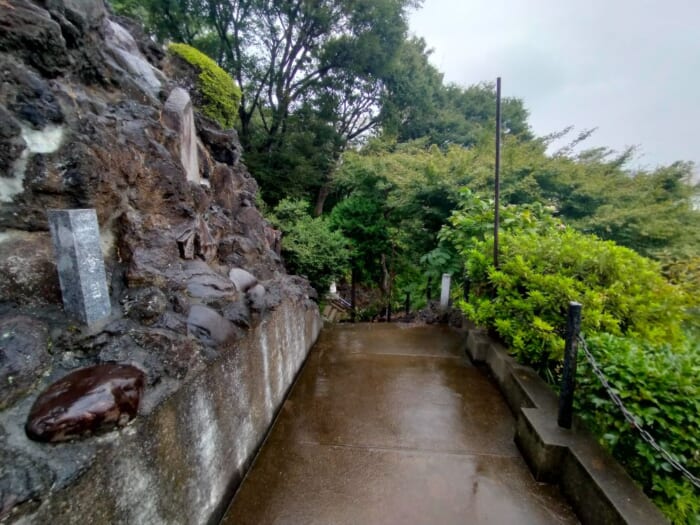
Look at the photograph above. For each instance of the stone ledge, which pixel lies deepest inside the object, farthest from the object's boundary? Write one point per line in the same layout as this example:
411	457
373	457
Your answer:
597	487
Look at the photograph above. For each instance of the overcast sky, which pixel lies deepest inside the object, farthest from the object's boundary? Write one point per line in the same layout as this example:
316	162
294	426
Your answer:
631	68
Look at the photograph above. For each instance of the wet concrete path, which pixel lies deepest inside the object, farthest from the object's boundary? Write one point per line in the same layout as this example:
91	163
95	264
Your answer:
391	424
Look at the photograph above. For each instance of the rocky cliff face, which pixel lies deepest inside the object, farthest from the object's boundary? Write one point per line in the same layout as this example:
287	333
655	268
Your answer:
88	119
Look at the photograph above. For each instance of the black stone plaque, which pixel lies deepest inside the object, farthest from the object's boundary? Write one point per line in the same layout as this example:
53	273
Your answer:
81	270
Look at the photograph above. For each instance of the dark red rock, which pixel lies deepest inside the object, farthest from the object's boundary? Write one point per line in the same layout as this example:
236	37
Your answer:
86	401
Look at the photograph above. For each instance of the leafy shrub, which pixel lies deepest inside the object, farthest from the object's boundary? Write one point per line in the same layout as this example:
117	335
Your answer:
526	299
659	385
309	246
543	267
686	274
473	220
633	316
221	94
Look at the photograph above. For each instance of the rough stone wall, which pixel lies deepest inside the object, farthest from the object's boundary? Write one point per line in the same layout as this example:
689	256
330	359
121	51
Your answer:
88	119
181	464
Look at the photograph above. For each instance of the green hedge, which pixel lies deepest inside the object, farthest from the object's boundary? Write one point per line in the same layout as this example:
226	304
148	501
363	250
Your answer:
221	94
634	319
526	299
659	385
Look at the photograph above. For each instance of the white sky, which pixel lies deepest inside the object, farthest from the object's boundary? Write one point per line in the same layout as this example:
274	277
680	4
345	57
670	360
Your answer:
631	68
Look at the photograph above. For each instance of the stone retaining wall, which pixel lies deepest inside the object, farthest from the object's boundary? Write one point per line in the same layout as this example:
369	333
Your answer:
182	463
597	487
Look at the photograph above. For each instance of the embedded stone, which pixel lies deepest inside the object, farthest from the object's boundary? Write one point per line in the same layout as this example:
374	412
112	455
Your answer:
223	143
11	142
93	13
28	266
86	401
126	51
256	295
196	240
208	326
224	188
273	238
242	280
238	313
29	31
178	115
203	282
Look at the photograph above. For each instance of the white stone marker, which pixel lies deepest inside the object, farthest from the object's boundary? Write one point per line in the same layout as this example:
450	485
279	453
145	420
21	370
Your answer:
445	291
80	264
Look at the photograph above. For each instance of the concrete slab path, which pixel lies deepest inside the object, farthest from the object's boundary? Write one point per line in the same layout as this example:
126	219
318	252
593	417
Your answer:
392	424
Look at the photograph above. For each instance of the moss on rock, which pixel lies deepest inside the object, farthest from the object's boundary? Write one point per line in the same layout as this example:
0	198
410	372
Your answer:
220	93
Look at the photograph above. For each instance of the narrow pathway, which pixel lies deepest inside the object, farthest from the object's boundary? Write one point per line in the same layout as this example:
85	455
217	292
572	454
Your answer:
391	424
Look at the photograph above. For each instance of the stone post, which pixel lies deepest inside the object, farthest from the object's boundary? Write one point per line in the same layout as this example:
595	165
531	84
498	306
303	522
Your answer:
80	264
445	292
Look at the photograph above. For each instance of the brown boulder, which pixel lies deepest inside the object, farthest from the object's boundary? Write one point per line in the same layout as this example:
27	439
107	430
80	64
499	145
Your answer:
86	401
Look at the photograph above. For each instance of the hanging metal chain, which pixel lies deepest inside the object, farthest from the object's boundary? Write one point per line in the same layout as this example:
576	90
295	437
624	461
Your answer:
632	420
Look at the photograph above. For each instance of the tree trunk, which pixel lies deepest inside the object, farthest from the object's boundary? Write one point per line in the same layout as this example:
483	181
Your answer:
323	193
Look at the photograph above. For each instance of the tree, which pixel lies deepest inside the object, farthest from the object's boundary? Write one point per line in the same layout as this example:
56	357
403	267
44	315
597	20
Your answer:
309	246
419	106
328	56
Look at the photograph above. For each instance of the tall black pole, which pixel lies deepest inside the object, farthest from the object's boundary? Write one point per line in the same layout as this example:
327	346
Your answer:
496	216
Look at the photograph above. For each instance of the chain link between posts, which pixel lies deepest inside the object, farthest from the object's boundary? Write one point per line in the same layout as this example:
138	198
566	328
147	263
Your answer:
632	420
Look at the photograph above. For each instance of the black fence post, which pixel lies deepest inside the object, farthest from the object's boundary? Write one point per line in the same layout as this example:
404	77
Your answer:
568	379
408	303
428	291
353	287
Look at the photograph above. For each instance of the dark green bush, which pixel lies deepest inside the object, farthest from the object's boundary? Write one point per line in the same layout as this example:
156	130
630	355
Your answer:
309	246
544	266
659	385
633	316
